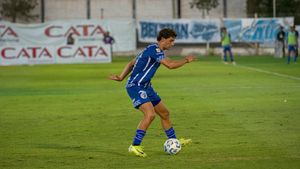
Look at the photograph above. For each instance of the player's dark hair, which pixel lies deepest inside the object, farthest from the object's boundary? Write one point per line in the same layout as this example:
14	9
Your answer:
166	33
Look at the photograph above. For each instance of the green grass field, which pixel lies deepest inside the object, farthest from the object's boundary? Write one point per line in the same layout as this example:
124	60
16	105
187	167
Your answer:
71	116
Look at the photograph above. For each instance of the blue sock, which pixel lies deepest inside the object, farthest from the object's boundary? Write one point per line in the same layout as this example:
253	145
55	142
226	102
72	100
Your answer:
231	57
288	60
170	133
225	58
138	137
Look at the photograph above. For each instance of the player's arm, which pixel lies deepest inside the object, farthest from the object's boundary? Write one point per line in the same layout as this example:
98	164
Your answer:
173	64
127	69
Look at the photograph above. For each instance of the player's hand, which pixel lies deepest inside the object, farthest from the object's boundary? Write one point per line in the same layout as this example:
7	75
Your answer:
190	58
115	77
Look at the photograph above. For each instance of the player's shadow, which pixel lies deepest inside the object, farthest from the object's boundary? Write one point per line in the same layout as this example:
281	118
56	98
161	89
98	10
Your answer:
81	148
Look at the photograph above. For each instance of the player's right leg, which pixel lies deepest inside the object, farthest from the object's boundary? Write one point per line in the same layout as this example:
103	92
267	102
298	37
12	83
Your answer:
142	102
290	52
149	115
225	55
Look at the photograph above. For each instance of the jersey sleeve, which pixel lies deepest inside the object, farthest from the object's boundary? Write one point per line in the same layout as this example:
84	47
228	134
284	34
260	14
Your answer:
157	54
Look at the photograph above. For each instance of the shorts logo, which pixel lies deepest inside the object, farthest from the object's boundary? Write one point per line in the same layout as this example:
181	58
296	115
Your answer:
143	94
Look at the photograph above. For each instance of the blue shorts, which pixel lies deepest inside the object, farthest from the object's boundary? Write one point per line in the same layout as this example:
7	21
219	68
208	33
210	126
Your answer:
292	48
140	95
226	48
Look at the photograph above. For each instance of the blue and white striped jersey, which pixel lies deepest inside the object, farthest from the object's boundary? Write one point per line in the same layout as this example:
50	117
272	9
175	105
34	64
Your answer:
147	62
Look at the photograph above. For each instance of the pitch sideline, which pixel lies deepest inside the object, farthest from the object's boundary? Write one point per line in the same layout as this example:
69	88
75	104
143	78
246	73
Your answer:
269	72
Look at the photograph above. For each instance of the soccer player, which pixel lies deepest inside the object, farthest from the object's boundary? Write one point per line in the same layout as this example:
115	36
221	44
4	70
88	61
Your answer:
140	90
226	44
292	44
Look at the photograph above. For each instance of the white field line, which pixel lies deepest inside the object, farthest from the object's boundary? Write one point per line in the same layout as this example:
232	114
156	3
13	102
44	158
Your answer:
269	72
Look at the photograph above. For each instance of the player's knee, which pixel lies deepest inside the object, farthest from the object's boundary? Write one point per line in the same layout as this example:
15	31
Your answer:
166	115
150	116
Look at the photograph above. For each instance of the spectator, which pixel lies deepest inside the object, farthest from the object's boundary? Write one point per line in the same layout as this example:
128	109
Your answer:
70	39
281	41
107	39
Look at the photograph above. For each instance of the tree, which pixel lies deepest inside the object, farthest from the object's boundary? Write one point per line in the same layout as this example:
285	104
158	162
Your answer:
204	5
18	9
284	8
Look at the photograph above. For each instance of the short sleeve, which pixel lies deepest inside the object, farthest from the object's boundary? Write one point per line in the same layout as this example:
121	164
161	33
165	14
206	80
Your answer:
157	54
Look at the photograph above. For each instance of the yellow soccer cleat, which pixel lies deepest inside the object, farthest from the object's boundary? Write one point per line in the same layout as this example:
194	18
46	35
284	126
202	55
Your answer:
137	150
184	141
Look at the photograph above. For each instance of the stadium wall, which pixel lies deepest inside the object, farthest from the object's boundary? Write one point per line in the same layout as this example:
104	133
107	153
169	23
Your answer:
126	9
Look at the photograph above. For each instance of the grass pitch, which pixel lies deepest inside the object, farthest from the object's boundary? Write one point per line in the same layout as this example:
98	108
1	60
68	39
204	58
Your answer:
73	117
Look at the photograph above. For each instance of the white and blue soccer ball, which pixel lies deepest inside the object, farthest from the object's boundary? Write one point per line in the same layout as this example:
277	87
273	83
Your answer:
172	146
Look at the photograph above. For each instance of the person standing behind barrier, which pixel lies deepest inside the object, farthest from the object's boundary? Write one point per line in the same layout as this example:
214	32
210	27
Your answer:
281	40
226	44
70	39
292	44
109	40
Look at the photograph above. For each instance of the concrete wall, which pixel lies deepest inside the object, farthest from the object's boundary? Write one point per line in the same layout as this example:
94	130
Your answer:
65	9
154	9
123	9
112	9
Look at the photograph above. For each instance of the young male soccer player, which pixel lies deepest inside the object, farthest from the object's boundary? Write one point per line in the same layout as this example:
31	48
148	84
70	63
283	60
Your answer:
292	44
140	90
226	44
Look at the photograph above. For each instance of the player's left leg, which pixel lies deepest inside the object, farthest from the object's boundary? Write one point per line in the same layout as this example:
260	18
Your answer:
231	56
164	115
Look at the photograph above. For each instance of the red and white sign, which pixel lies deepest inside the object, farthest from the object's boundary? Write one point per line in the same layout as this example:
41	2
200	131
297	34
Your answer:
47	43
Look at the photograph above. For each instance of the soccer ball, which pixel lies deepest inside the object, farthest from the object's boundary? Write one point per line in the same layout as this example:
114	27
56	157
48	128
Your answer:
172	146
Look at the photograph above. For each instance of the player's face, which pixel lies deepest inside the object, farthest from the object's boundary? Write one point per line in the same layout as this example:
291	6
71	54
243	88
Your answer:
168	43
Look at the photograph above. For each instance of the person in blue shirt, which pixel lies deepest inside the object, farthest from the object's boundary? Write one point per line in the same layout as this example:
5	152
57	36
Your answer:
140	90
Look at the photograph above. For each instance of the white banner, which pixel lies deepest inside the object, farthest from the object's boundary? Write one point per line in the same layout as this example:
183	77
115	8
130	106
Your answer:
201	31
188	31
47	42
256	30
17	55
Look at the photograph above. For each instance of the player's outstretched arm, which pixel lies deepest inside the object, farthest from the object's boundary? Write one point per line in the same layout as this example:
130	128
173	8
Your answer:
173	64
127	69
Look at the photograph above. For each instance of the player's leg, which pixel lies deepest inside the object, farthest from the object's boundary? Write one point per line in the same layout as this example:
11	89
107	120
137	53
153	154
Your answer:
296	54
162	111
142	102
164	115
149	115
224	54
290	50
283	49
166	123
231	55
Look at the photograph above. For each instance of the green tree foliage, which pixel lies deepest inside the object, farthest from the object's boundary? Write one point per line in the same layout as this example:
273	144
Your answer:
18	9
284	8
204	5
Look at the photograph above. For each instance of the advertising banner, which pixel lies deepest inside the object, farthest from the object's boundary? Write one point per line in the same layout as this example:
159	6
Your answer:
261	30
256	30
188	31
72	41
